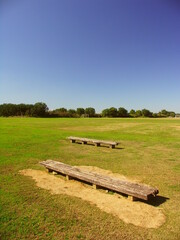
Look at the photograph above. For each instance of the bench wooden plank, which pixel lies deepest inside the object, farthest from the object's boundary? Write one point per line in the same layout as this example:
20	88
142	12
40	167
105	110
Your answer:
130	188
94	141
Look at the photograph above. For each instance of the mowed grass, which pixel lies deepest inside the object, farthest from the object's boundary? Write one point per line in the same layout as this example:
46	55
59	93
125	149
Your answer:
149	152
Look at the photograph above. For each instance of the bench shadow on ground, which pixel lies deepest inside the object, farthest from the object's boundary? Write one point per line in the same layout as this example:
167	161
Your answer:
155	201
101	146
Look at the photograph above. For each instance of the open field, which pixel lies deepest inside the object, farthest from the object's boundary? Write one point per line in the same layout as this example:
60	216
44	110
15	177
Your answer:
149	153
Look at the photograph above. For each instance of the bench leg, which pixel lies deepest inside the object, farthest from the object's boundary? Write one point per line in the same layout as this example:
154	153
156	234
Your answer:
84	142
68	177
49	170
112	146
97	144
94	186
131	198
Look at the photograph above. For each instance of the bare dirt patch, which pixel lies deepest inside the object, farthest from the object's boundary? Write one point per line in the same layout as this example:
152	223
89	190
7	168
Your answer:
137	213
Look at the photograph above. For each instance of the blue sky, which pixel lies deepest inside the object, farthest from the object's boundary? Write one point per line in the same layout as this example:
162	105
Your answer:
91	53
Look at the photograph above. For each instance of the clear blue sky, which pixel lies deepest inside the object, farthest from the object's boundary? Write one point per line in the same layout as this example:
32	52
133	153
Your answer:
91	53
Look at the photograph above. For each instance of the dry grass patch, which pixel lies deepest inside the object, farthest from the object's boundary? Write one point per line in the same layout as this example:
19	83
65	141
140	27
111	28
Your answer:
136	213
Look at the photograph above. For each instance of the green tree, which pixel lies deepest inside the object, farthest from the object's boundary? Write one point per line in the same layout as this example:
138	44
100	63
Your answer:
113	112
138	113
90	111
146	113
28	110
105	112
24	109
164	113
8	109
80	111
132	113
122	112
172	114
39	110
72	112
155	115
15	109
61	110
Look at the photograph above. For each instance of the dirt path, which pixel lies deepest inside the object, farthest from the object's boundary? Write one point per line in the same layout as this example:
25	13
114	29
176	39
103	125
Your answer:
137	213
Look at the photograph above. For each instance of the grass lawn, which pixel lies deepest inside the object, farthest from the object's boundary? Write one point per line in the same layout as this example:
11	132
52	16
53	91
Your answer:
150	152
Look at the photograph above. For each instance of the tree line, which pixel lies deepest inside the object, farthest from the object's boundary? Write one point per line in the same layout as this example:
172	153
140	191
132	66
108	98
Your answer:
29	110
40	109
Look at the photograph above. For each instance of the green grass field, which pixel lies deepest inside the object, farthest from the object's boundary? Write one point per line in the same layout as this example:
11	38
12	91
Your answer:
150	152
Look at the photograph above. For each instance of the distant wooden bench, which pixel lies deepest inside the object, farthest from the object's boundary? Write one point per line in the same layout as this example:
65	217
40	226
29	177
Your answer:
95	142
134	190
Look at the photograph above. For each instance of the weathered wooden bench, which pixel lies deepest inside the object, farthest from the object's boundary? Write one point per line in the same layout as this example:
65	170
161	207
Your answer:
133	190
95	142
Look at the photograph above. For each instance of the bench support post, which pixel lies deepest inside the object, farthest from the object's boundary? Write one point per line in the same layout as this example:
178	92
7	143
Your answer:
131	198
97	144
84	142
94	186
112	146
68	177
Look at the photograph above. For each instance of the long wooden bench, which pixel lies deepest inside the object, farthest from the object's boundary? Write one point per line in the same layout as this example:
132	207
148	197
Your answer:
135	190
95	142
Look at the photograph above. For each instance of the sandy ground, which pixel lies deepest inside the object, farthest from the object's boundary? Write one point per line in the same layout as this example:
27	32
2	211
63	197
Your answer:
137	213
